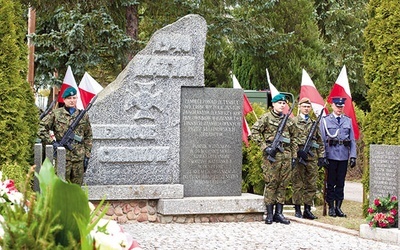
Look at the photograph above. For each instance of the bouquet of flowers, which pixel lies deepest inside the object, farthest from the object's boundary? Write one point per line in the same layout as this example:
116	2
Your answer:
383	212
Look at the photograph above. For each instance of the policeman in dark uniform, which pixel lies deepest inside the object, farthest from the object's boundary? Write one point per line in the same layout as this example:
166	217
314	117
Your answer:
340	147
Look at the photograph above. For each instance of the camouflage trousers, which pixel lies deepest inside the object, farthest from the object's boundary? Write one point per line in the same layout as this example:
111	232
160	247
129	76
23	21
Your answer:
304	183
74	172
277	178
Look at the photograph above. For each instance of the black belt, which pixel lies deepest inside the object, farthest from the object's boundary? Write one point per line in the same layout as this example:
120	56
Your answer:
334	142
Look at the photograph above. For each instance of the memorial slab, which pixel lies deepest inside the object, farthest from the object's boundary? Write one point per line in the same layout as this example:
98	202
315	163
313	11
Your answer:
211	146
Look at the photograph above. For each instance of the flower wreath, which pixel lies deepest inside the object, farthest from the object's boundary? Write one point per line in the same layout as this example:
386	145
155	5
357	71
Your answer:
383	212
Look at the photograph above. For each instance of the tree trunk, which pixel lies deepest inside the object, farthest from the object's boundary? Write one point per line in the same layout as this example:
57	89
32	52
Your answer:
132	26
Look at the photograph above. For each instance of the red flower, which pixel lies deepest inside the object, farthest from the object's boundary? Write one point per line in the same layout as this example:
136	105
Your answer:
10	186
394	198
382	224
377	202
390	219
371	210
393	211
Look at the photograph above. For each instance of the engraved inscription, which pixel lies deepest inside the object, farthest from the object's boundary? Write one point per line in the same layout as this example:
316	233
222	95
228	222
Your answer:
172	44
383	172
133	154
121	132
171	66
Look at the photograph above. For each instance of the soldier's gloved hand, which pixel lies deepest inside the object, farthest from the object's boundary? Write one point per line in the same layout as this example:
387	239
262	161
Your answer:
85	163
56	145
293	163
270	151
323	162
352	162
302	154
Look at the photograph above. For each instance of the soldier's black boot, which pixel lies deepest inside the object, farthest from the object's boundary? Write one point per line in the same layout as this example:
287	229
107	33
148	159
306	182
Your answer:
332	211
308	214
278	216
338	211
270	214
297	211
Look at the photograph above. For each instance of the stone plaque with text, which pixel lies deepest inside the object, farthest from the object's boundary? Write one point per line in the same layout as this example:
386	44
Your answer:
384	165
211	146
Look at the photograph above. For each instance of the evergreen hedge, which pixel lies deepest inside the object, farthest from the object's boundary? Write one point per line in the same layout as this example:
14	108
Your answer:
18	113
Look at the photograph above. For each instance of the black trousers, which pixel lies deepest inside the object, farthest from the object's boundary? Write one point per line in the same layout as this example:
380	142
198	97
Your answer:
335	182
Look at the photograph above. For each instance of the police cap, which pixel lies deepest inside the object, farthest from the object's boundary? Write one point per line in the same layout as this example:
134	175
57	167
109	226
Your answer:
70	91
339	101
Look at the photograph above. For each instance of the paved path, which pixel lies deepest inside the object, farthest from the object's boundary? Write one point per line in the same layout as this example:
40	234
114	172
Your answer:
353	191
300	234
246	236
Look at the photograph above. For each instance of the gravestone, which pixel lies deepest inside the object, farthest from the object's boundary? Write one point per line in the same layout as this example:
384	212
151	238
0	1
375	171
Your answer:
143	122
211	152
384	165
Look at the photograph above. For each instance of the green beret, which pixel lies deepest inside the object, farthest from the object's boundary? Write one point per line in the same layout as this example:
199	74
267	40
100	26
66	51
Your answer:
279	97
70	91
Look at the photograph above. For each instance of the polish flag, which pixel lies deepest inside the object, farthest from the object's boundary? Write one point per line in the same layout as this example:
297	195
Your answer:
341	88
274	92
247	108
309	91
88	88
69	81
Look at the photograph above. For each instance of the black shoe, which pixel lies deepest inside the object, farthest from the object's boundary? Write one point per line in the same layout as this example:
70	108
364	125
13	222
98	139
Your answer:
332	212
338	211
270	214
297	212
278	216
308	214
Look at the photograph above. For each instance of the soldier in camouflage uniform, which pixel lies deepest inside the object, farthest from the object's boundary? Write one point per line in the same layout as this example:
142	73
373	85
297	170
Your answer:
276	174
304	178
58	122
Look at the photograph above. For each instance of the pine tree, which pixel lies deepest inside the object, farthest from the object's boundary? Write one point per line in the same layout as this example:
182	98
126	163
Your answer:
18	113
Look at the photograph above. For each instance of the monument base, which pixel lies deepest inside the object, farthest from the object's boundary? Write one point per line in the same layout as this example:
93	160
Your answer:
166	204
389	235
244	208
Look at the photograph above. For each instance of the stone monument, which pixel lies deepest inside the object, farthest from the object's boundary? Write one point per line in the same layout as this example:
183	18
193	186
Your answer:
160	136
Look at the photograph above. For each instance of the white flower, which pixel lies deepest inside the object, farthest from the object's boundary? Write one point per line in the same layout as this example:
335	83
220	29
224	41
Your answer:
112	238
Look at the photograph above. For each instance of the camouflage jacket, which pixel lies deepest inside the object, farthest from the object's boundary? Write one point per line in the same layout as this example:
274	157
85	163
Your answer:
304	127
264	129
58	121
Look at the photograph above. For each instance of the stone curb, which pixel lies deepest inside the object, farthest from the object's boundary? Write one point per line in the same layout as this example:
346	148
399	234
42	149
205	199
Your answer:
323	225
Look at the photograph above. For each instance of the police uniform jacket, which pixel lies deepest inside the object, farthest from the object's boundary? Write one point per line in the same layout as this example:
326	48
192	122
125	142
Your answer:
59	121
304	127
339	139
264	129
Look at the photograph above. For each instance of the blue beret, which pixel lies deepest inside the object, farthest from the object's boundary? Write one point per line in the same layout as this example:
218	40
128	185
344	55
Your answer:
279	97
70	91
339	101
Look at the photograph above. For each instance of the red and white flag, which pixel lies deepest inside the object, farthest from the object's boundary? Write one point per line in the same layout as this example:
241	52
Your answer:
88	88
69	81
274	92
309	91
341	88
247	108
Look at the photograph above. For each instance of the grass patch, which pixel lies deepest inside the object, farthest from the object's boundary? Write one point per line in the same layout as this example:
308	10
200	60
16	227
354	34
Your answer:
352	209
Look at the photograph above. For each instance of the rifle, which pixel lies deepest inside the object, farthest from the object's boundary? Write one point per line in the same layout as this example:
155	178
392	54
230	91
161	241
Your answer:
42	115
278	139
309	141
69	136
324	191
